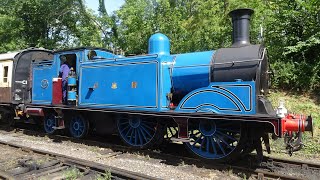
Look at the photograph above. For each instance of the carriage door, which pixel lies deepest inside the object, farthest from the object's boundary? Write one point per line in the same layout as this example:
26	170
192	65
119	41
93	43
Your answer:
43	73
5	80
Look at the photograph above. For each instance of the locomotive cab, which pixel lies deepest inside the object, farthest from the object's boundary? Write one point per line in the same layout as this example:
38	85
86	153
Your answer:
45	75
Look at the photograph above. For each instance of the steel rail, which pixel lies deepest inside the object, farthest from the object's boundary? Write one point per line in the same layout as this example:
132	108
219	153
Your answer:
300	163
79	162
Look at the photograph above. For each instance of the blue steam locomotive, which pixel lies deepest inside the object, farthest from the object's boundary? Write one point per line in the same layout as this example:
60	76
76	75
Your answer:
213	101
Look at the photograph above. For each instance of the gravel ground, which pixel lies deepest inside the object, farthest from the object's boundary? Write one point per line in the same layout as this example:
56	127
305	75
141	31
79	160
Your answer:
132	162
9	156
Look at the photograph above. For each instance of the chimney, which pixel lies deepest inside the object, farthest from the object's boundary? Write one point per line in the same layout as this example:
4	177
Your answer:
241	27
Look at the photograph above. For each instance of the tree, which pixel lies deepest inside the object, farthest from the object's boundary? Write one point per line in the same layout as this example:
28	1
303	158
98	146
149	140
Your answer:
102	8
293	41
47	23
134	26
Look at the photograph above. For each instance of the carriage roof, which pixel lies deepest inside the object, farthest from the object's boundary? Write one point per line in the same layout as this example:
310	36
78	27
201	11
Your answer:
83	48
8	56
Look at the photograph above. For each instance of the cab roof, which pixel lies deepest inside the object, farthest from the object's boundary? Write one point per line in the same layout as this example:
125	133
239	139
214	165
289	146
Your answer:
81	49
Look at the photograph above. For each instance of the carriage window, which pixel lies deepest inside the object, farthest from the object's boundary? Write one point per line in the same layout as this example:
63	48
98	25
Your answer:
5	74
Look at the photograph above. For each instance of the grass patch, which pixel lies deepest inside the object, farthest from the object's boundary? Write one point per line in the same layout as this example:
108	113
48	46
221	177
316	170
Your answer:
72	174
105	176
300	104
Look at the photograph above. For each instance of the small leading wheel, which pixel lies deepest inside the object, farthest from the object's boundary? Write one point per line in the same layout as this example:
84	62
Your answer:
78	126
49	124
139	131
214	139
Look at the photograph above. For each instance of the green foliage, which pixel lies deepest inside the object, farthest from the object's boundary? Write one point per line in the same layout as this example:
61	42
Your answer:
191	25
104	176
72	174
292	40
10	29
47	23
134	21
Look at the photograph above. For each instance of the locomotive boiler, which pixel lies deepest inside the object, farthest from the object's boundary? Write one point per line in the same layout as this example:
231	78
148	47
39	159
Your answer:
214	100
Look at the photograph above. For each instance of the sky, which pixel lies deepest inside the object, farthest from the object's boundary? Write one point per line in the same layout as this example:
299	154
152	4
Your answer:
111	5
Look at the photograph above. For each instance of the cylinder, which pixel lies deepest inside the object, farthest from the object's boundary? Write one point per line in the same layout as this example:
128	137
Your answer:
241	26
159	44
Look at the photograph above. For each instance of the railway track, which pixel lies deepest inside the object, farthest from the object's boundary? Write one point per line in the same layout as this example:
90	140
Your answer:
271	168
50	165
289	168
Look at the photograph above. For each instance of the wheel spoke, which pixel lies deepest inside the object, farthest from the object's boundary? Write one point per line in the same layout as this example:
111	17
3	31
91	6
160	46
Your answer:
124	128
213	146
144	136
227	136
202	143
146	131
130	140
135	136
140	136
128	132
221	148
148	127
81	130
224	142
208	143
